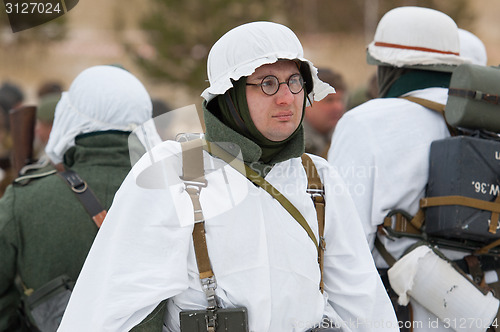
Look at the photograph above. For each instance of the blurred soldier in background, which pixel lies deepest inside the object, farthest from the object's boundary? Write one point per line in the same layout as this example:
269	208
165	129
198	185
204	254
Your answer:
47	219
44	119
322	116
11	96
382	149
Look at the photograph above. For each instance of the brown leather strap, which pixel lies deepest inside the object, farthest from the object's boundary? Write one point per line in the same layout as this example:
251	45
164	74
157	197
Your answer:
192	161
85	195
193	175
494	218
317	191
475	269
404	222
486	249
194	179
494	207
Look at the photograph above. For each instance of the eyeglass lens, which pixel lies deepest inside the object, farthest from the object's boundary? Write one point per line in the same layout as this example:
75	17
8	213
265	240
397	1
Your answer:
270	84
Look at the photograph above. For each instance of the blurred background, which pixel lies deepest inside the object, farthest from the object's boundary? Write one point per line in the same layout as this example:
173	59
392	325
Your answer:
165	42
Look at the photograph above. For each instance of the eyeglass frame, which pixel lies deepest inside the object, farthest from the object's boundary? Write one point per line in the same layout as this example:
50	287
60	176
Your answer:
287	82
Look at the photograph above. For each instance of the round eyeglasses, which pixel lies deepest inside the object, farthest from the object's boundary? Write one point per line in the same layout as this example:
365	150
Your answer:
270	84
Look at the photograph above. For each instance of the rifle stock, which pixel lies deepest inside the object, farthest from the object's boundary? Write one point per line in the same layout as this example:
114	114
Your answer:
22	128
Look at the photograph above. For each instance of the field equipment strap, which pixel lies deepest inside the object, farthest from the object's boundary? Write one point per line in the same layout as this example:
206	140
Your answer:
85	195
494	206
388	258
435	107
258	180
194	179
193	175
317	191
405	224
411	226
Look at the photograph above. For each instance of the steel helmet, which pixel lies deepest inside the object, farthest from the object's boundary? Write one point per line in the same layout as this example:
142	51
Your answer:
247	47
416	37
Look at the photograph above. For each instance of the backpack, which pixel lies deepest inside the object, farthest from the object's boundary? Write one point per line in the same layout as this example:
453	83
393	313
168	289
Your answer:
462	204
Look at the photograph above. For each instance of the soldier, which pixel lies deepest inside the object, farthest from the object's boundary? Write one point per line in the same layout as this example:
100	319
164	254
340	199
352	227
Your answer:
45	230
256	265
382	149
322	116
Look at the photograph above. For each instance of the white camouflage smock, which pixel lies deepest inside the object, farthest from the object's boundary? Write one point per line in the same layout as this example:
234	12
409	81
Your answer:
262	258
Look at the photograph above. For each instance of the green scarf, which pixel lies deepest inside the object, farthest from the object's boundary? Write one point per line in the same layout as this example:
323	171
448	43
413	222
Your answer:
404	80
225	125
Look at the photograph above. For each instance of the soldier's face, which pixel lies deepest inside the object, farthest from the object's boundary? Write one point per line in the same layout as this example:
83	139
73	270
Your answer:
279	115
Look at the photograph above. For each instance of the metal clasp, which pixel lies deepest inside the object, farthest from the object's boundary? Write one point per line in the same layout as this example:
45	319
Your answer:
209	285
315	193
197	185
76	183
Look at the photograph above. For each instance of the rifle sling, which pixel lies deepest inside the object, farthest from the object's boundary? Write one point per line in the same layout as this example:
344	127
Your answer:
85	195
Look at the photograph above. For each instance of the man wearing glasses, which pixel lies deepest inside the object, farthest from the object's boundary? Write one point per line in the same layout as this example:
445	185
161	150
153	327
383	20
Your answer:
145	268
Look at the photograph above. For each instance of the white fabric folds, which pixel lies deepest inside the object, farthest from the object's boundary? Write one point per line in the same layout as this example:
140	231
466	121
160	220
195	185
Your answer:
100	98
247	47
261	257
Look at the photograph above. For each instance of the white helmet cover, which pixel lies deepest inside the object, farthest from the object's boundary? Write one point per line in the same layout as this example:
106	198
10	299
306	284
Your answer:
247	47
471	47
100	98
411	36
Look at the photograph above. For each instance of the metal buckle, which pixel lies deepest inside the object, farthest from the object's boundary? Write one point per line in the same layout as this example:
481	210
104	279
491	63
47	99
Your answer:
322	243
315	192
75	182
211	320
209	285
195	184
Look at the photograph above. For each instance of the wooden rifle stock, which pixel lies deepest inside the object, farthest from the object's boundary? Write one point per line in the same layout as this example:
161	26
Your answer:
22	128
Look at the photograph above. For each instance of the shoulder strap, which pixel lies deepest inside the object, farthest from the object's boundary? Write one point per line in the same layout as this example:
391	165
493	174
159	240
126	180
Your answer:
388	258
85	195
435	107
193	175
317	191
194	179
258	180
